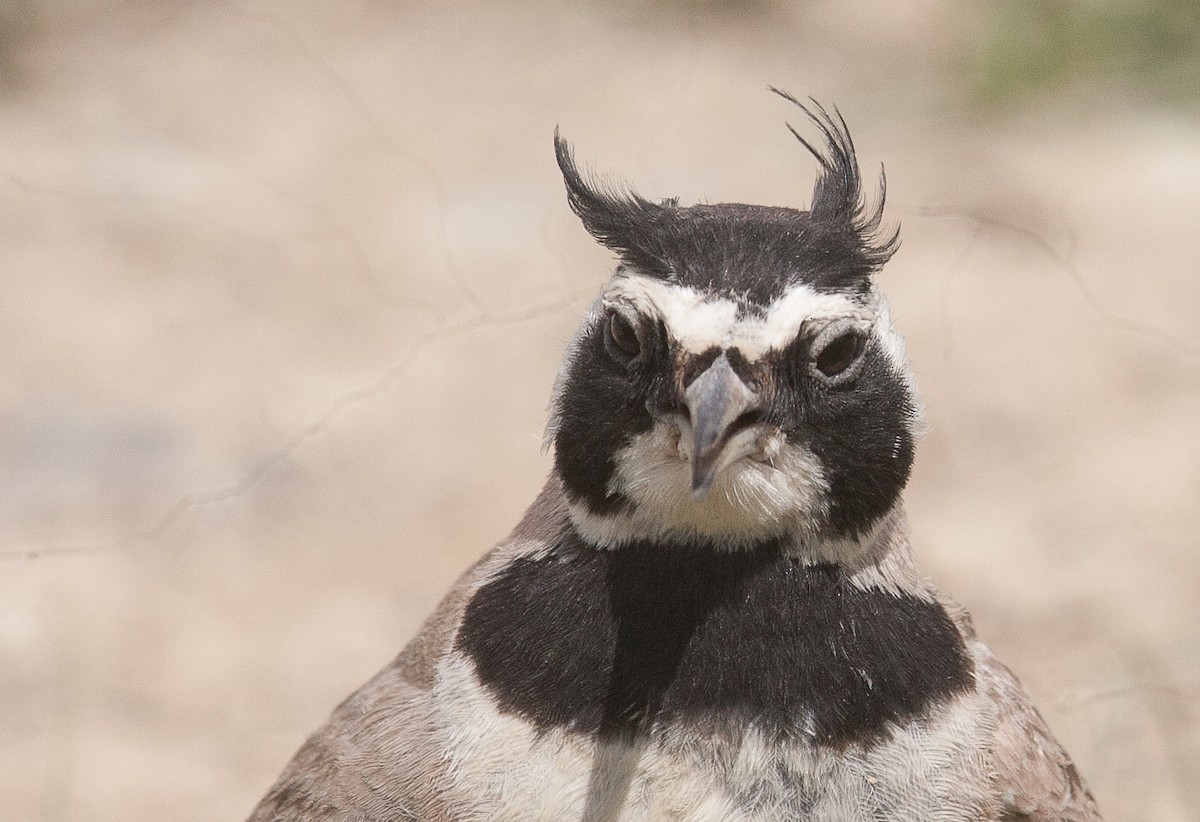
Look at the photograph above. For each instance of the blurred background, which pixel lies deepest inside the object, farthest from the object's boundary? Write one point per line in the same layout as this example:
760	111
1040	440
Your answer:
284	286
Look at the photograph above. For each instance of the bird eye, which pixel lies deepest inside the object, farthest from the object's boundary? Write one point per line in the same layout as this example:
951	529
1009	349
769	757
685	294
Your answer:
621	339
836	357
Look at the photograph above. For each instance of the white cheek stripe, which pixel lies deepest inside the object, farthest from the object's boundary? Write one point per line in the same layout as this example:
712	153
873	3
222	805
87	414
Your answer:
697	323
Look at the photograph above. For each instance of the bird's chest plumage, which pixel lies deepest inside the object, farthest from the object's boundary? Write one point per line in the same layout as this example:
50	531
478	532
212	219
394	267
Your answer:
610	643
747	680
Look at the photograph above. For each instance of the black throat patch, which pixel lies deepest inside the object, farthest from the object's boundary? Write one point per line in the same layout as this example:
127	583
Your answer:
611	642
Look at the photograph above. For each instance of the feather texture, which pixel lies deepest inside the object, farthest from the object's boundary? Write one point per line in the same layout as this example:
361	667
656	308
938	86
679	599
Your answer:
712	611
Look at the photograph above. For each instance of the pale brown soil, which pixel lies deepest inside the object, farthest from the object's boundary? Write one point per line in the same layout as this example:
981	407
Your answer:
284	289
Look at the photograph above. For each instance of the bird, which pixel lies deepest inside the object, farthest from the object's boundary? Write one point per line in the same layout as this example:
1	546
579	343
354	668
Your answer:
712	610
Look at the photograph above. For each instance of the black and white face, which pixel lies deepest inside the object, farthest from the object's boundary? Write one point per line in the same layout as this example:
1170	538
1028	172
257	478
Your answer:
739	379
688	415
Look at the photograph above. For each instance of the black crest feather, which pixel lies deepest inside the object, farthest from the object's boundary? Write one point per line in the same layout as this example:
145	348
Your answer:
616	218
837	194
751	252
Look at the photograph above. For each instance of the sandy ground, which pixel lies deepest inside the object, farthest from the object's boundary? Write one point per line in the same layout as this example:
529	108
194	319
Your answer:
284	289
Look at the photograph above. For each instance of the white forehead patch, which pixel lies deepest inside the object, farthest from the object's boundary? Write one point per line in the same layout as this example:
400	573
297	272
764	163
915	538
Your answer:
694	322
698	322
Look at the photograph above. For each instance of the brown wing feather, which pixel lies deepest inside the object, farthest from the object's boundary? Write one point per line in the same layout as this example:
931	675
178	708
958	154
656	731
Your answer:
1036	781
374	758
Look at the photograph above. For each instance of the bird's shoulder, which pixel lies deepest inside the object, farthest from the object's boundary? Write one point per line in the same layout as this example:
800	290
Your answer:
1036	780
418	660
373	755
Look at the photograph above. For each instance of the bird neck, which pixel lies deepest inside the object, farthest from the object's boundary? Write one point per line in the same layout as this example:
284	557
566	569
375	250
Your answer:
881	558
616	641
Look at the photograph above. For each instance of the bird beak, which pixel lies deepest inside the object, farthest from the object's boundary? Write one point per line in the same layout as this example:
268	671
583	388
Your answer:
715	400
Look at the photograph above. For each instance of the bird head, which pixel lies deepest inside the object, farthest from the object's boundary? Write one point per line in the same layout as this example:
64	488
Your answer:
738	379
